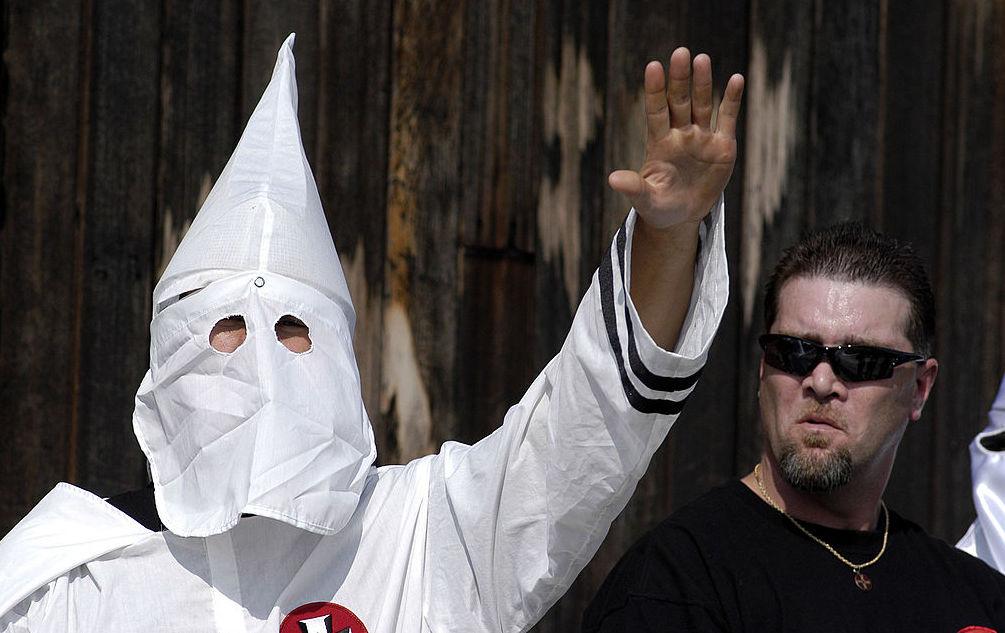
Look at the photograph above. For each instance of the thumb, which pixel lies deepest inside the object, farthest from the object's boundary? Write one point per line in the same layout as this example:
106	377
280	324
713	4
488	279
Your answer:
627	182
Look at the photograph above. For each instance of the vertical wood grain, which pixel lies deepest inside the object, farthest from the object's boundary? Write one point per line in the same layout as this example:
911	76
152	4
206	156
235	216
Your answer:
117	271
914	65
420	318
569	241
993	361
844	117
39	222
351	171
970	240
499	165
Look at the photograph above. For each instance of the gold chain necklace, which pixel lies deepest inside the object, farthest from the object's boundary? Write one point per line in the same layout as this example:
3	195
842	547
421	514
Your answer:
862	581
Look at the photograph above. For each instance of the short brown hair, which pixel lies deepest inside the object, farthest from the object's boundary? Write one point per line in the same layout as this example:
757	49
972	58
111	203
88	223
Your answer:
851	252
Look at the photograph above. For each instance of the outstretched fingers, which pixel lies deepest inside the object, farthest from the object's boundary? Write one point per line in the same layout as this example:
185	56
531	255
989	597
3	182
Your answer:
701	95
686	99
657	114
679	95
729	109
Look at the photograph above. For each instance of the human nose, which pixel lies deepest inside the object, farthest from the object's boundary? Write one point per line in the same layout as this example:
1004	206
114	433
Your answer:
823	384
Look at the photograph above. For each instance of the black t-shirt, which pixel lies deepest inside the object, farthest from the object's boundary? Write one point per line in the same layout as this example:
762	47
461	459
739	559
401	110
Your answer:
729	562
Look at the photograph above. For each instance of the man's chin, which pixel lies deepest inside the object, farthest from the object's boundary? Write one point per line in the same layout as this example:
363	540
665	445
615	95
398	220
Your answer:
816	440
814	468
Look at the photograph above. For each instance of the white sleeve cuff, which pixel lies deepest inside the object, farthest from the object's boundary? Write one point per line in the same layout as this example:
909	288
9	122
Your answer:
658	380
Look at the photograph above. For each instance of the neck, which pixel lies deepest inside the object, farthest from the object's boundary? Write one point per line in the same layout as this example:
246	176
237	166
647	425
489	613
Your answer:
852	507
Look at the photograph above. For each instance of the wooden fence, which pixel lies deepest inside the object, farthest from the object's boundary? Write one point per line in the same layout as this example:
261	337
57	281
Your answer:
461	149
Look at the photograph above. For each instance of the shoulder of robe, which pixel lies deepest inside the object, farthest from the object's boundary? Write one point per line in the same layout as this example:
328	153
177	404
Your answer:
68	528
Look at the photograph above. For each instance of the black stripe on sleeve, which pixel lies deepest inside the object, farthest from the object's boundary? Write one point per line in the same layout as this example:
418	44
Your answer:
645	376
639	402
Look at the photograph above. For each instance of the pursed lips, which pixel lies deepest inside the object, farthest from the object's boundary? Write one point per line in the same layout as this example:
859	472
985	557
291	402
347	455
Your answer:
818	421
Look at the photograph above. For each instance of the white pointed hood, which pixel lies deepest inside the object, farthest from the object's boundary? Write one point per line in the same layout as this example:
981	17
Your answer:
260	429
264	212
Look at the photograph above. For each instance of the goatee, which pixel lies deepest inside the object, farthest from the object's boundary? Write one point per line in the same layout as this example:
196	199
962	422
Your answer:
815	472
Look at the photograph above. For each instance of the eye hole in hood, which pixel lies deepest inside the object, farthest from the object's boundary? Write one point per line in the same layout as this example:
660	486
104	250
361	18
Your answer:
228	334
293	334
994	443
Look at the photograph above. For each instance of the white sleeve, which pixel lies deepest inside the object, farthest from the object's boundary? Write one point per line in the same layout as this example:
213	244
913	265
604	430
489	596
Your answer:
514	518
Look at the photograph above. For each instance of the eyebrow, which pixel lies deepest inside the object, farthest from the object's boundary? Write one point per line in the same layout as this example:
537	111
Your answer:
848	340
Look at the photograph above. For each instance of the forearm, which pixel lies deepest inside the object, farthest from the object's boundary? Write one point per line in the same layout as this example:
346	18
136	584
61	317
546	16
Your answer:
662	278
514	518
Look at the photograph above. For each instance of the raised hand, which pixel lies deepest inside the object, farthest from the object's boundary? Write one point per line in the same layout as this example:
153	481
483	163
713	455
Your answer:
687	166
687	162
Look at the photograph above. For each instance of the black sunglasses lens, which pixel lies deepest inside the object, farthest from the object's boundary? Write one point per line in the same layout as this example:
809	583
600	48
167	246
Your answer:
852	363
858	364
791	355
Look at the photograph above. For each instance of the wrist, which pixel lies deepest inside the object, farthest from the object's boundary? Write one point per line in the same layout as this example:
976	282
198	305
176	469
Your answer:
682	236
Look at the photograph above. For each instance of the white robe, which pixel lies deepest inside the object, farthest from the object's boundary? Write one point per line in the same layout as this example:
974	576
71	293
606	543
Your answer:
476	538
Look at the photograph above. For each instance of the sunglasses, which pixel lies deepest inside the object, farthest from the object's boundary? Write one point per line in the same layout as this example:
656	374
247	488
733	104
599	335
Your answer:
851	363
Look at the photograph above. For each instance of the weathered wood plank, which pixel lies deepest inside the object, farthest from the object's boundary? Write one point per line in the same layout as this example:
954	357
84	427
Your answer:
844	119
994	297
572	78
970	239
38	240
494	338
990	53
420	318
350	168
499	160
118	241
912	58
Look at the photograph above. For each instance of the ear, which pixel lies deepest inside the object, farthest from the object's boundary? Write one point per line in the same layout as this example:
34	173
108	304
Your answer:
923	383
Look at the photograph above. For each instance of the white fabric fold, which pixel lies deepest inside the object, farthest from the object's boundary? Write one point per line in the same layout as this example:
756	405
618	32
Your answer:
262	429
